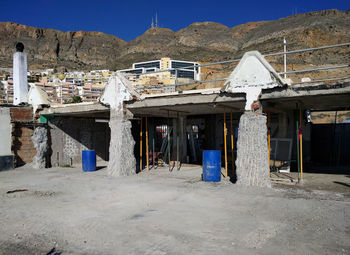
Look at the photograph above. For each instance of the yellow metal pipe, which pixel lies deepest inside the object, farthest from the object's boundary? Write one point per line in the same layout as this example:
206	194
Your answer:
232	144
141	146
147	155
225	142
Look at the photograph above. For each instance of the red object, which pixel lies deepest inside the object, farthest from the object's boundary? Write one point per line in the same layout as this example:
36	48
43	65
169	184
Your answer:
300	132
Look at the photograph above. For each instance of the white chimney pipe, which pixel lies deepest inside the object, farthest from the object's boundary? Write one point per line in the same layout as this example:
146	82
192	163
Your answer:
20	83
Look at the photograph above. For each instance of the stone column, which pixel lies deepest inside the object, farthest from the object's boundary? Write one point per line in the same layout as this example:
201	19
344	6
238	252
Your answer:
252	151
40	141
121	149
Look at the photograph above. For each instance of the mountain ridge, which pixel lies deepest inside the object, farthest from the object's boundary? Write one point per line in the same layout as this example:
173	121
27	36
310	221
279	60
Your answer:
200	41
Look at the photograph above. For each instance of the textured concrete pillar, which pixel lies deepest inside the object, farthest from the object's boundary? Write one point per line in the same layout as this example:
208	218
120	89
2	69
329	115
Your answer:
252	151
40	139
121	149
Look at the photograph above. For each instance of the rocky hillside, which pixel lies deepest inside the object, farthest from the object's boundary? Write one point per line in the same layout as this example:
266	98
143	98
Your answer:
204	42
54	48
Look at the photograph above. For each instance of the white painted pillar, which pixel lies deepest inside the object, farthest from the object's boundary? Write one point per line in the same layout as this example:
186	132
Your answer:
20	83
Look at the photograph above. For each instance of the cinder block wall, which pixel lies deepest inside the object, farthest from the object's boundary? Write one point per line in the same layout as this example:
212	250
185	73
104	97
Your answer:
70	135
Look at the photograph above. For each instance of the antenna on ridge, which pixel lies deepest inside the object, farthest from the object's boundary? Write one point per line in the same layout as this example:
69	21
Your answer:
156	20
152	24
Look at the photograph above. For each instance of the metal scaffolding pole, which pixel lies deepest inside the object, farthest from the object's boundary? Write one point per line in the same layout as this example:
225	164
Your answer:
269	136
298	151
169	143
141	145
177	143
232	146
301	142
285	58
153	154
225	142
147	153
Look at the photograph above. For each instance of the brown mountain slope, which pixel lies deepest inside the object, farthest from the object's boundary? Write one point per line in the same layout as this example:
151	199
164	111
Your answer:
51	48
204	42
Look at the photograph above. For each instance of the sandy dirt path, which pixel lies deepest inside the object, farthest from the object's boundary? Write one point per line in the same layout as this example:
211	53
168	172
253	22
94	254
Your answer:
67	211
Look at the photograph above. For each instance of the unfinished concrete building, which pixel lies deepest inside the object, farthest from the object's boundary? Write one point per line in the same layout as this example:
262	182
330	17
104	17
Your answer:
136	131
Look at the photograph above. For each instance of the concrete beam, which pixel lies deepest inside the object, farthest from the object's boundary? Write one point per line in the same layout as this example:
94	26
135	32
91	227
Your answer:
308	90
186	99
75	109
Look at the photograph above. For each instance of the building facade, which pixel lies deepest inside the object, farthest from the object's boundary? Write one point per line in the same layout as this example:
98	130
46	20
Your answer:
164	71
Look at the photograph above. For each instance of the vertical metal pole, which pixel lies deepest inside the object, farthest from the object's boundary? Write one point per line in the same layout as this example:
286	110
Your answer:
298	152
232	145
147	153
177	143
285	57
141	146
153	154
269	136
225	142
301	142
169	148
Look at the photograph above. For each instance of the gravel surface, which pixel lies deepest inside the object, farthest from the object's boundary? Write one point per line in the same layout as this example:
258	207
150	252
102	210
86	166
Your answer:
67	211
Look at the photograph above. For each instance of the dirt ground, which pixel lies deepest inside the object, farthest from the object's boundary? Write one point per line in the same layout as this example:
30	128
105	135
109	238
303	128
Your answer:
67	211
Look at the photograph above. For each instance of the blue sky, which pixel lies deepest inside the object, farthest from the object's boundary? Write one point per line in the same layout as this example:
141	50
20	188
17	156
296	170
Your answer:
129	19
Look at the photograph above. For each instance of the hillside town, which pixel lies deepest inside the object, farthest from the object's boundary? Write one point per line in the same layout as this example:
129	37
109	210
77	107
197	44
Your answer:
65	87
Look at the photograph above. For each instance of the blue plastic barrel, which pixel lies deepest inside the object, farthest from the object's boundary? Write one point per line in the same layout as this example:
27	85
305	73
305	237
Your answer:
211	165
89	160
